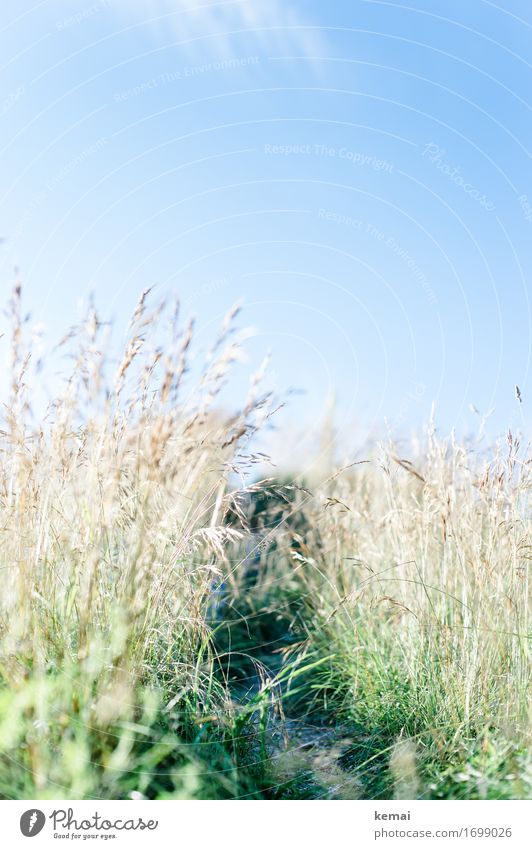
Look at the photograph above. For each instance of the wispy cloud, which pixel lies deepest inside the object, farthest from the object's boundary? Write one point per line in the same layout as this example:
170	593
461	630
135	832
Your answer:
275	25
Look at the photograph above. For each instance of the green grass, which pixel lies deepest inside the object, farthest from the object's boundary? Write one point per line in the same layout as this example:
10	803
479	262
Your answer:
414	580
171	626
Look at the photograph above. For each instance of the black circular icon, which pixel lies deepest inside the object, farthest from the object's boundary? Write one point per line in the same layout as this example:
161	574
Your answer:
32	822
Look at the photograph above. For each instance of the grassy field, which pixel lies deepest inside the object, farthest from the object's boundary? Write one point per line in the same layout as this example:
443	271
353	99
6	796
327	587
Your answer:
173	626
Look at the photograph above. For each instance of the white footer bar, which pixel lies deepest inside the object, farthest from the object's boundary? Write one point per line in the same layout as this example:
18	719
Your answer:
257	824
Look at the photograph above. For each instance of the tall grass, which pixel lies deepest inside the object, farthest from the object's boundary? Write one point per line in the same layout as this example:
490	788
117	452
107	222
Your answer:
112	507
170	629
411	570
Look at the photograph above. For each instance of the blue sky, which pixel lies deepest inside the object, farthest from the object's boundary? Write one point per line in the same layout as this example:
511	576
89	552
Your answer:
358	173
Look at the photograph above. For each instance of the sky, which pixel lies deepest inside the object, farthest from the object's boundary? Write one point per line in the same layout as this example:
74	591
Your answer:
357	173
